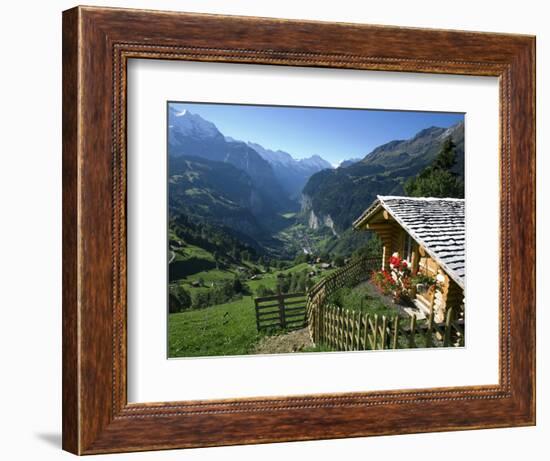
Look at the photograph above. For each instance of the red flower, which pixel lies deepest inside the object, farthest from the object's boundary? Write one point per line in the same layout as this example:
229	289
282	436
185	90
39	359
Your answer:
395	260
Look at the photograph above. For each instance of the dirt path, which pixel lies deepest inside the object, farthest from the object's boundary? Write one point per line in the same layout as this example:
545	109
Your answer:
295	341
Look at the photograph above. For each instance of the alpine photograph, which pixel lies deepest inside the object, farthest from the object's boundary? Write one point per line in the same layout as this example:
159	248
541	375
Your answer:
313	229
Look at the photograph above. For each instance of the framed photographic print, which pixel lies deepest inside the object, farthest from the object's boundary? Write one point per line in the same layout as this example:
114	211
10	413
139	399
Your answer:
280	230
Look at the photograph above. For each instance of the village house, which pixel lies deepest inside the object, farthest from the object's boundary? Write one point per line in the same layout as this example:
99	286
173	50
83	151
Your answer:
429	234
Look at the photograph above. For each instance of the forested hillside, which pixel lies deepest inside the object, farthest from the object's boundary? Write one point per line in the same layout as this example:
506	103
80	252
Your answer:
338	196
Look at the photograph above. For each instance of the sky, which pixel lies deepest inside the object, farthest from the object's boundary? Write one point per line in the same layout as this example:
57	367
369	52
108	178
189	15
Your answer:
333	133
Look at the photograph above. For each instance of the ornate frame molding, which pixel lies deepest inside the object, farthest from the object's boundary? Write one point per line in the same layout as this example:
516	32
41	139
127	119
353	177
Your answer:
97	44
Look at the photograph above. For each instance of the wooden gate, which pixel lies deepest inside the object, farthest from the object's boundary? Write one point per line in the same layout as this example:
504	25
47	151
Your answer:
282	311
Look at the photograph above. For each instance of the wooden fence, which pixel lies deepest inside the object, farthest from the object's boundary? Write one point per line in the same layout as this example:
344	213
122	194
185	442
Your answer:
348	330
286	311
351	274
345	330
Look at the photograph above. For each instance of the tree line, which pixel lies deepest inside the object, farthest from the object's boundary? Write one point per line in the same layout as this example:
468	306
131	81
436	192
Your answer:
181	299
439	178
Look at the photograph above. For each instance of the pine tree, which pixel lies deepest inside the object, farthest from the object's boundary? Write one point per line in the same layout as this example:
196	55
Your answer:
438	179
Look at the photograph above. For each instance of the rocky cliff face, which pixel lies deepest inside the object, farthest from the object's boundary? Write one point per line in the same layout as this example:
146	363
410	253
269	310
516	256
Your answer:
306	203
315	221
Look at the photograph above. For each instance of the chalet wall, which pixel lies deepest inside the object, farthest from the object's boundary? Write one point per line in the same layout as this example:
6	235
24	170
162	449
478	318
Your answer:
447	292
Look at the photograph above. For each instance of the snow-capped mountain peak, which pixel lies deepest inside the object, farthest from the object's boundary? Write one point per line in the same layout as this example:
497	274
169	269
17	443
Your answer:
186	123
273	157
315	161
190	134
283	158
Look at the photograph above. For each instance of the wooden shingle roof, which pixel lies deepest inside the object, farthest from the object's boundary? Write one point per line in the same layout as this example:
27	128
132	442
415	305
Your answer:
438	224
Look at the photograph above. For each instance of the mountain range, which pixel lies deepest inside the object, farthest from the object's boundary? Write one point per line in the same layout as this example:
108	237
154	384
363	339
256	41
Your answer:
292	174
337	197
276	172
259	195
191	135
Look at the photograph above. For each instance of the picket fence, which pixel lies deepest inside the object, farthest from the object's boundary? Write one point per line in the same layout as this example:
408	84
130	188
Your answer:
347	330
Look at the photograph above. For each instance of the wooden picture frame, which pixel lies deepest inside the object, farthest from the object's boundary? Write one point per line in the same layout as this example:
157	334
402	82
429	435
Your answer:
97	43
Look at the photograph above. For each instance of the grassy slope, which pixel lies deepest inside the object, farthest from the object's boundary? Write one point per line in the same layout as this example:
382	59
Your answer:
225	329
192	251
364	298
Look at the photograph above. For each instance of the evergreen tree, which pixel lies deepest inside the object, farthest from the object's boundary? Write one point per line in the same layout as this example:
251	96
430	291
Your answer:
245	255
292	285
301	257
339	261
238	286
283	283
301	282
438	179
179	298
372	249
